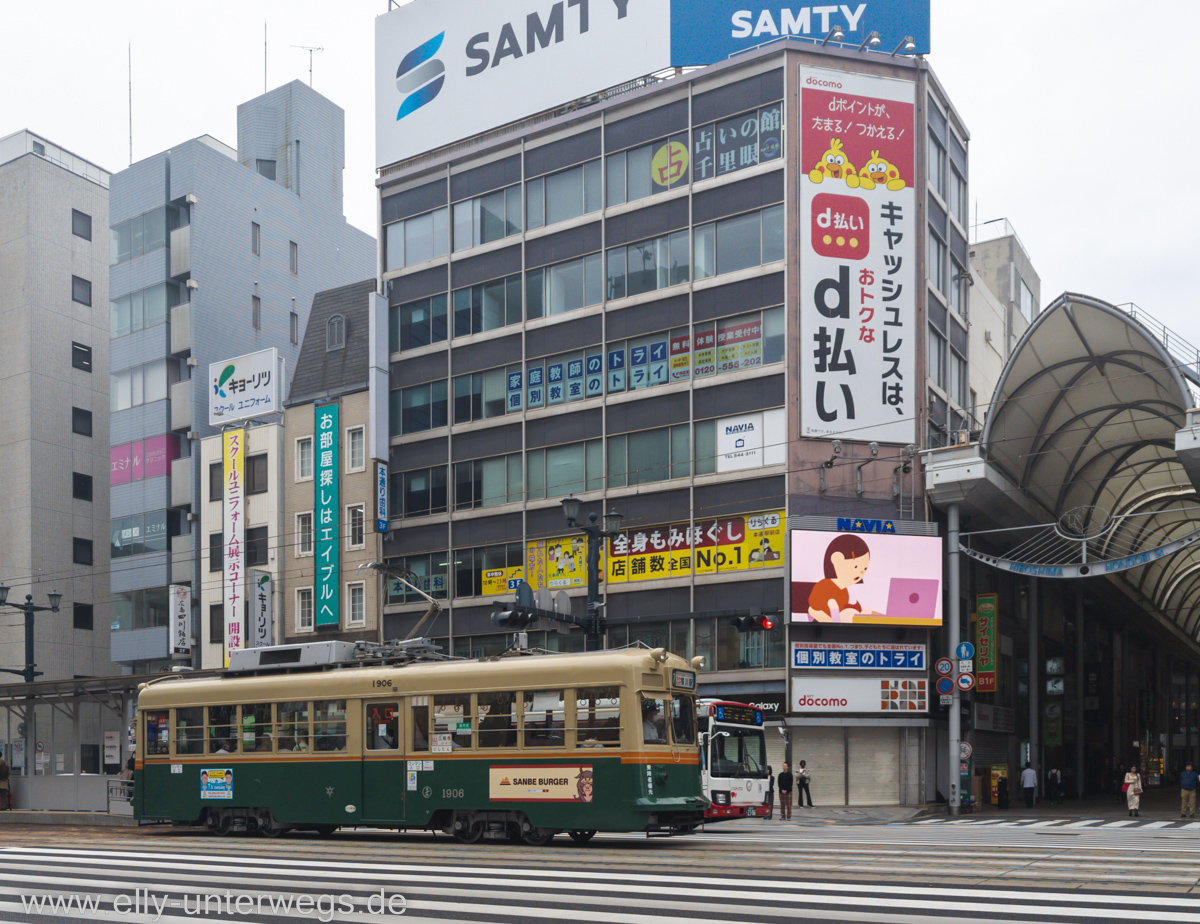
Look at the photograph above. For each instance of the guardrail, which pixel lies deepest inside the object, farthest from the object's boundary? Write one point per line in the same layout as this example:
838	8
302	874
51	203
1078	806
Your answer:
120	797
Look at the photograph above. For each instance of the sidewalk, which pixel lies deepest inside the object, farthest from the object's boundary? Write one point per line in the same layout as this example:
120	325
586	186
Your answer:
1161	804
51	817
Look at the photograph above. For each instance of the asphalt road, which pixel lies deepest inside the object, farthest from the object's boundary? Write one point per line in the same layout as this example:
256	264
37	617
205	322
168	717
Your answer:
1031	870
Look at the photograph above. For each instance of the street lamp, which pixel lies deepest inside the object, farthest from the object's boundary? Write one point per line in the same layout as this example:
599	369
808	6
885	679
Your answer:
595	535
29	673
907	46
835	35
872	40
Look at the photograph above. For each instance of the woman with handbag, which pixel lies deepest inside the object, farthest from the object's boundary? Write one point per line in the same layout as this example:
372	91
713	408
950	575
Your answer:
1133	791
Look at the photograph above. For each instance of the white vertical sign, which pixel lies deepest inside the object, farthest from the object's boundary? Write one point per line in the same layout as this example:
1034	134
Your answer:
262	609
181	620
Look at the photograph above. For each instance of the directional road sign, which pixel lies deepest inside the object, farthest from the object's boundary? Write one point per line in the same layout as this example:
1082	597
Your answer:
965	682
945	666
965	651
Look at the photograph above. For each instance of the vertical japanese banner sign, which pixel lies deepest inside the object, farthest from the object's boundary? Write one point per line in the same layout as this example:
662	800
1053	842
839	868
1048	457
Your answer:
325	501
234	535
985	643
181	620
262	609
858	273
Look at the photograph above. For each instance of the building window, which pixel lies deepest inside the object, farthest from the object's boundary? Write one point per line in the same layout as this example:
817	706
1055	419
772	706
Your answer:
265	168
293	256
81	226
488	306
216	481
335	333
356	535
704	447
216	552
568	469
142	309
81	553
418	408
487	218
304	608
81	290
81	421
937	358
255	238
418	493
562	196
355	449
648	265
141	384
304	458
474	567
216	624
417	324
487	482
646	170
81	486
936	161
81	357
738	243
481	395
954	290
565	286
139	533
143	234
429	574
561	378
256	312
737	143
1028	303
958	197
256	474
294	327
417	239
649	456
256	546
956	378
356	604
939	258
82	616
304	534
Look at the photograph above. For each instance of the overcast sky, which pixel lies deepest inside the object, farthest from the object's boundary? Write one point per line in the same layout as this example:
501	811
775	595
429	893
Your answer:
1083	115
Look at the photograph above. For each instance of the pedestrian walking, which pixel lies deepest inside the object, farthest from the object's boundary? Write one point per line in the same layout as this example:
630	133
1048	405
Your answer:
1029	784
1054	785
803	778
1133	791
785	793
770	800
1187	790
5	793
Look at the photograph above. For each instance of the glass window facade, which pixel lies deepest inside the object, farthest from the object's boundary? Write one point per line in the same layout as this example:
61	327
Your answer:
562	196
143	234
416	239
564	286
487	306
144	308
646	170
418	493
417	408
737	243
487	218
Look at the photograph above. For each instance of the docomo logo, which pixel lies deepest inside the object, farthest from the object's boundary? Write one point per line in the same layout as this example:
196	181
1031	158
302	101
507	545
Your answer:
815	701
817	82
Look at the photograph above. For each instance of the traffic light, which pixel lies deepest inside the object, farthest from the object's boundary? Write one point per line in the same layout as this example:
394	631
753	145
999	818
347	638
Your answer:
515	618
753	623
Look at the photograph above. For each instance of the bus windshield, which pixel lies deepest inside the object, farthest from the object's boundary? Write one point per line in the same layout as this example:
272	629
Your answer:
738	752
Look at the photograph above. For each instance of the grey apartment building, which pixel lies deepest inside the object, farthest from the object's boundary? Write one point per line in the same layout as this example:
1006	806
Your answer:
216	252
605	301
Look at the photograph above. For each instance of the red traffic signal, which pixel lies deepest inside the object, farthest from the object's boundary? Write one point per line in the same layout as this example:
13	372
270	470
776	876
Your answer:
753	623
768	623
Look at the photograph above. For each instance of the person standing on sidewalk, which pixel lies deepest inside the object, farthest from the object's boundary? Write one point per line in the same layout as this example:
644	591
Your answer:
802	781
1133	791
1187	790
769	801
5	792
785	793
1029	784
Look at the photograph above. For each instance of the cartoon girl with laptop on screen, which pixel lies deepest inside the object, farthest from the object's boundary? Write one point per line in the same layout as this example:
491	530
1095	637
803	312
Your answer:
911	601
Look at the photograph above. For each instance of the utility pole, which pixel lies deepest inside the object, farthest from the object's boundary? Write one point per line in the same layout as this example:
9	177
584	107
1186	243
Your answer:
29	672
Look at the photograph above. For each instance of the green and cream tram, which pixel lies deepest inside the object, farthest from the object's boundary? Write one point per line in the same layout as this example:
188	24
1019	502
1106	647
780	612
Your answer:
525	746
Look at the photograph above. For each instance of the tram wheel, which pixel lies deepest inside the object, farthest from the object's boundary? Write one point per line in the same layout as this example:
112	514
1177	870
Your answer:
223	825
470	832
582	837
325	830
538	837
267	827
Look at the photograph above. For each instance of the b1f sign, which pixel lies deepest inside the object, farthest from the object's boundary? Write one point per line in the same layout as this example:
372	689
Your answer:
244	387
445	71
708	31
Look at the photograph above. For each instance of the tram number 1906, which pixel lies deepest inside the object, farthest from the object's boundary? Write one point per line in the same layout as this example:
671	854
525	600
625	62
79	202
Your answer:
452	793
381	683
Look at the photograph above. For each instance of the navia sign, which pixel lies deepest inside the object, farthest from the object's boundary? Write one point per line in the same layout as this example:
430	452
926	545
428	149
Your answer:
445	71
860	525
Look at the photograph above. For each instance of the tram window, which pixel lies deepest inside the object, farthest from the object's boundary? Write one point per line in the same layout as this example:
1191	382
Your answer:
497	720
451	721
293	726
654	723
222	730
683	719
598	716
257	728
158	735
420	723
189	731
329	725
545	719
383	726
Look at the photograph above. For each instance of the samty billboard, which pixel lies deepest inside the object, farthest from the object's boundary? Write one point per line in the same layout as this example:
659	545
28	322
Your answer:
866	579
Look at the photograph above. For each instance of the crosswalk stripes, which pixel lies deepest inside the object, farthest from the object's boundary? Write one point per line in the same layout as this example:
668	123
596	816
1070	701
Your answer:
1132	823
447	890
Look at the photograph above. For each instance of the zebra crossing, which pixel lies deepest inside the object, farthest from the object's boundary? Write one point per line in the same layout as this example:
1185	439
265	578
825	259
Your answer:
1071	822
174	886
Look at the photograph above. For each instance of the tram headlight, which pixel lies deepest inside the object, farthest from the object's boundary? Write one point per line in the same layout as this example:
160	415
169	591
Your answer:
659	655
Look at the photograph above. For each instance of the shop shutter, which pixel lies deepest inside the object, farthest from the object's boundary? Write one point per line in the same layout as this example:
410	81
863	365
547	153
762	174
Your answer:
990	748
824	749
873	756
776	748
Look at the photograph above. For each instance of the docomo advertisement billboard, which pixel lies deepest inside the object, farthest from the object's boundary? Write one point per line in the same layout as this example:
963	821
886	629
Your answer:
858	271
445	71
866	579
858	694
233	535
244	387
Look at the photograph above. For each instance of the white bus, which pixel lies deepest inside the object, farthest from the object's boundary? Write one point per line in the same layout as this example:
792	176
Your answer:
733	762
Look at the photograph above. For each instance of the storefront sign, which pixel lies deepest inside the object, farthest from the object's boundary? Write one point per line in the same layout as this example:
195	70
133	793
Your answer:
707	547
851	656
751	440
262	610
859	226
142	459
556	563
871	580
857	694
381	497
233	536
501	581
540	783
243	387
991	718
112	748
1052	725
326	506
985	641
181	620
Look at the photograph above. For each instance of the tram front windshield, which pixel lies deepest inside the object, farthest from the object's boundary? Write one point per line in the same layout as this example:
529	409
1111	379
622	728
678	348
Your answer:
738	752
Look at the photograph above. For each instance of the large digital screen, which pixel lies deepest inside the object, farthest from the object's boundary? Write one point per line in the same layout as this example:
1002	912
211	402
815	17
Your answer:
866	579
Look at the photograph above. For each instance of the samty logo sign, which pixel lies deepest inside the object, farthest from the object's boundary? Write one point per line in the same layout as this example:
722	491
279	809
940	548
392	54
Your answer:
484	63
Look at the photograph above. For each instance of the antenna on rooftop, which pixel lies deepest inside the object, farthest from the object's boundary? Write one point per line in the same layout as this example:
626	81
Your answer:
264	56
310	49
131	103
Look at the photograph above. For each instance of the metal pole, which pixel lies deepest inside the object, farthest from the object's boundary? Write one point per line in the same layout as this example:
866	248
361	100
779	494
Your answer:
30	732
952	639
594	642
1034	675
1079	691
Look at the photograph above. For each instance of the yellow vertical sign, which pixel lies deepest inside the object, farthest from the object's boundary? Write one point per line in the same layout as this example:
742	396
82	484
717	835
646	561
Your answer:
233	534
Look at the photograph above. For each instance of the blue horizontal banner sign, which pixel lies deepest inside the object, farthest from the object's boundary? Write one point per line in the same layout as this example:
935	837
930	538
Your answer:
708	31
849	656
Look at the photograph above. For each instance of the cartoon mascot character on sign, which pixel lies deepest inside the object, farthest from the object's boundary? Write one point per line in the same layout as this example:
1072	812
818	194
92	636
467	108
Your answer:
833	164
583	786
877	172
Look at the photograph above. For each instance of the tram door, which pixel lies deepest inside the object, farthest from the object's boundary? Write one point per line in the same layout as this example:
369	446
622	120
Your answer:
383	768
